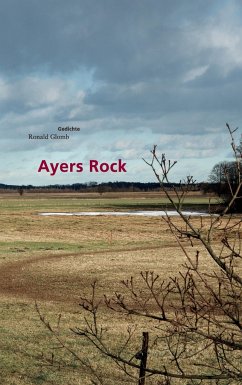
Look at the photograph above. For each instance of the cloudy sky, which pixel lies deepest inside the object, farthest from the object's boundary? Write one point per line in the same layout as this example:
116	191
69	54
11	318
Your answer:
129	74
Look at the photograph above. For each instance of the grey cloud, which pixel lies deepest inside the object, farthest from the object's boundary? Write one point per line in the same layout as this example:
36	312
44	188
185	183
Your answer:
155	100
121	40
125	44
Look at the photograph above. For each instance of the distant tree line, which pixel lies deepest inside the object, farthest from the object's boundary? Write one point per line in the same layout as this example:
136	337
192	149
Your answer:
94	187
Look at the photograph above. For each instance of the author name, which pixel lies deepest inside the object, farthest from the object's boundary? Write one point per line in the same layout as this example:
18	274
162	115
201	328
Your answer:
94	166
47	136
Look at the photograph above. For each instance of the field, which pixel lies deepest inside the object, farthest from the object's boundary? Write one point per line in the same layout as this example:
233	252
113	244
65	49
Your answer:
53	261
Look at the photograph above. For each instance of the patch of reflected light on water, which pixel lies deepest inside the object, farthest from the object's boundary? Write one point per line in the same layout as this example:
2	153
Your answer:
130	213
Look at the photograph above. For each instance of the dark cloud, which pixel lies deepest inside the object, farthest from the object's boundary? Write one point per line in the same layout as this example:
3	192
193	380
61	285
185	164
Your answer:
155	100
151	44
122	40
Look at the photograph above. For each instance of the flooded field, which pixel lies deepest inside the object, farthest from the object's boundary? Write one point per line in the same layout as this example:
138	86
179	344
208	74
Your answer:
131	213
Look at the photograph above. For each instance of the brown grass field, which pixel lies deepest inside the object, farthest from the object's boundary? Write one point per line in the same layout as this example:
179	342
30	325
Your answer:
54	260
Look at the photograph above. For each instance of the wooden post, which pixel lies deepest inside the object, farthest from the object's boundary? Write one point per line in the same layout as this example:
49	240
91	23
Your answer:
143	358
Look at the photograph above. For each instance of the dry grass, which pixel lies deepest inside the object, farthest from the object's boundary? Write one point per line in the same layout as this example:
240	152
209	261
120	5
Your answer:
54	260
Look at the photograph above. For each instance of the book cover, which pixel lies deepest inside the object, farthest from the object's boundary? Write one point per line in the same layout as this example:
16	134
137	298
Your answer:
87	88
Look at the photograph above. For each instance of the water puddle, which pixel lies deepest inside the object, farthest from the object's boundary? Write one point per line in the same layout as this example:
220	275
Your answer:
130	213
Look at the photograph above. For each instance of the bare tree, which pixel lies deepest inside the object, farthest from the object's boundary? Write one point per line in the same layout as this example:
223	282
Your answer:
224	179
195	318
21	190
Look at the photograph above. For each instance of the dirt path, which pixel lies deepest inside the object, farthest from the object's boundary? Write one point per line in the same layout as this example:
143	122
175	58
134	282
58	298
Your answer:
16	278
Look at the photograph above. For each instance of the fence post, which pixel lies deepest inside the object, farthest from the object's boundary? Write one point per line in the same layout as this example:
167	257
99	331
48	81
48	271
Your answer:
143	358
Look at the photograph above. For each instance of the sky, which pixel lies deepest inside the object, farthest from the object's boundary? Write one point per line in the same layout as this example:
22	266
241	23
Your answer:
129	75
